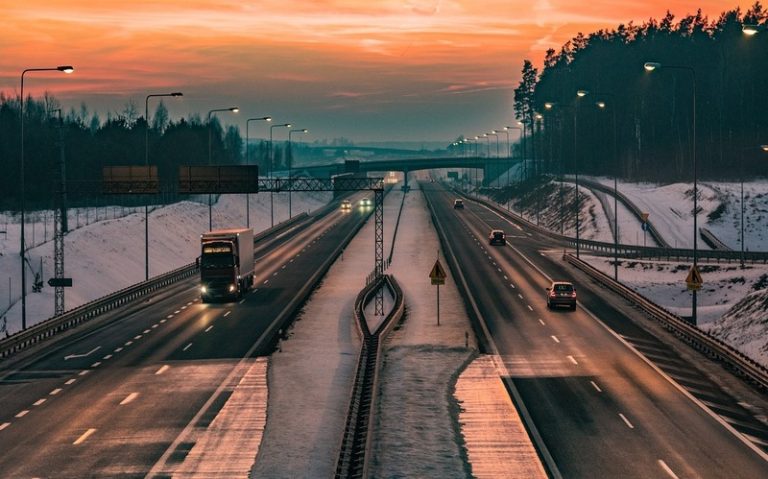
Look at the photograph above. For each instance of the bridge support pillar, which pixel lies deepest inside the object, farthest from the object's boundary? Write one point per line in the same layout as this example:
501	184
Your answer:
405	179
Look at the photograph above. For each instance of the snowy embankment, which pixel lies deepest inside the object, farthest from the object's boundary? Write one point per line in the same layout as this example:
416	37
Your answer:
108	255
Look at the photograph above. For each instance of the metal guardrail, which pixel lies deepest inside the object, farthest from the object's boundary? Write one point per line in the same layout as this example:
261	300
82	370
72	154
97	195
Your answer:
700	340
632	251
58	324
712	240
355	451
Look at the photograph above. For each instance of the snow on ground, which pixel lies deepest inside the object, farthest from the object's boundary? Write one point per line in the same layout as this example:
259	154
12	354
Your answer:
743	327
108	255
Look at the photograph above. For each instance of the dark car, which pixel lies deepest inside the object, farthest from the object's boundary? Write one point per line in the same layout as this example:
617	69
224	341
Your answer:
561	293
497	237
457	203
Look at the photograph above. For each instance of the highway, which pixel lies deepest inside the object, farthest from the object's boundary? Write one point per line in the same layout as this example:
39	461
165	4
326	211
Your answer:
599	408
110	398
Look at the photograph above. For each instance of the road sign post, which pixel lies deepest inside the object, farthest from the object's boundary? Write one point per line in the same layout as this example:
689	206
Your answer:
60	282
437	277
694	280
644	217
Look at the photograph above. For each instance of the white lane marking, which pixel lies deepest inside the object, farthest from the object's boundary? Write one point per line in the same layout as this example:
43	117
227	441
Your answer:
520	296
667	469
163	320
169	316
529	307
274	274
505	277
291	261
542	322
129	399
283	267
266	281
96	364
55	391
38	402
571	359
208	328
187	347
190	303
499	269
146	331
70	381
512	285
554	338
155	325
626	421
108	356
4	425
594	385
177	311
137	337
542	254
184	307
242	301
162	370
23	413
83	372
227	313
73	356
128	343
117	350
85	436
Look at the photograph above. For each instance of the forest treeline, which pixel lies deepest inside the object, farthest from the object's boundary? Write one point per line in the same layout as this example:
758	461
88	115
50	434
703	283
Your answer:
644	129
121	139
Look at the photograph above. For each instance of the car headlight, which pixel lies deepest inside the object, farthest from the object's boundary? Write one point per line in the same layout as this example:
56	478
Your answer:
203	289
231	288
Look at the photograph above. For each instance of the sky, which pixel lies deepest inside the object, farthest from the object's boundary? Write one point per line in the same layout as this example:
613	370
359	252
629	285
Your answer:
383	70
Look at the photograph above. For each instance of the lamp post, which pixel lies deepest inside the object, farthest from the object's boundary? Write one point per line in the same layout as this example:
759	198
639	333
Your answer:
290	161
233	109
248	162
601	104
751	29
649	67
271	166
579	94
146	163
22	252
510	156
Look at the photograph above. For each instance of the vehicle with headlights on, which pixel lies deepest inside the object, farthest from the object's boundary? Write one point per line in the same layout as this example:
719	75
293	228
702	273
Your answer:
346	205
226	264
365	202
497	237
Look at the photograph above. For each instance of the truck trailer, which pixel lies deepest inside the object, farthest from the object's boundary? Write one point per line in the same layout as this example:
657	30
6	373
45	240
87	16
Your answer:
226	264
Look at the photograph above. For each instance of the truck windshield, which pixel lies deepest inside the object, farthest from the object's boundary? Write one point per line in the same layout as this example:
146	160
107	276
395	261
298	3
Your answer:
217	260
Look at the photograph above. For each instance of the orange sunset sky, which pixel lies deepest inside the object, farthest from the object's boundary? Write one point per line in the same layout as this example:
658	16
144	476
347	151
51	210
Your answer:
414	70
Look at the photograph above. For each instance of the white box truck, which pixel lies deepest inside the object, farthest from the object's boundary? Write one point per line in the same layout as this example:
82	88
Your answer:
226	264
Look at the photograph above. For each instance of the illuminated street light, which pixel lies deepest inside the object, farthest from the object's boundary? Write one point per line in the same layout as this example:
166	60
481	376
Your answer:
248	162
651	66
146	163
751	29
232	109
271	166
22	252
290	161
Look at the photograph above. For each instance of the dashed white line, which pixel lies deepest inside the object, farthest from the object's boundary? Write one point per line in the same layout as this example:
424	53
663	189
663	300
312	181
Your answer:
667	469
38	402
177	311
505	277
188	304
23	413
512	285
146	331
70	381
163	320
85	436
208	328
554	338
108	356
542	322
266	281
96	364
129	399
520	296
55	391
169	316
117	350
155	325
242	301
4	425
128	343
184	307
283	267
227	313
626	421
187	347
594	385
571	359
137	337
529	307
163	369
499	269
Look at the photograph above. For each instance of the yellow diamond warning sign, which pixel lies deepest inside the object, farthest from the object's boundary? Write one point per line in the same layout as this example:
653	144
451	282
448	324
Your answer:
437	275
693	280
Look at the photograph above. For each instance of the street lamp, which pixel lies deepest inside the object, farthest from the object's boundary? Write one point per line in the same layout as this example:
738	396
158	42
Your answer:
751	29
509	155
22	252
602	105
290	161
232	109
651	66
271	166
248	161
146	163
496	134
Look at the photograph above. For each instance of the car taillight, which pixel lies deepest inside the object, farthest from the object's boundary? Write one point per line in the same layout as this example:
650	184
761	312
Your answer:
552	294
573	294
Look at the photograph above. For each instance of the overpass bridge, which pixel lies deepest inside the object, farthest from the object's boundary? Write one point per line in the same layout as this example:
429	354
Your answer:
492	167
